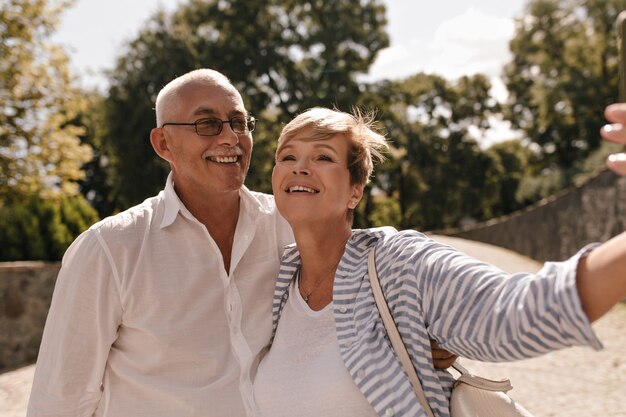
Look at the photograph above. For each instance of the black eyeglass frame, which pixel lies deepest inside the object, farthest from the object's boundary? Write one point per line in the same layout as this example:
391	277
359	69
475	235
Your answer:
250	125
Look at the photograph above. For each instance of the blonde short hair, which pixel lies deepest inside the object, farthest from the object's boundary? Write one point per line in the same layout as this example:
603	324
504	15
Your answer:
366	146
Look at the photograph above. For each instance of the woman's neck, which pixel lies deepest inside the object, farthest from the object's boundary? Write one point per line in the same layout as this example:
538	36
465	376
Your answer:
321	248
321	245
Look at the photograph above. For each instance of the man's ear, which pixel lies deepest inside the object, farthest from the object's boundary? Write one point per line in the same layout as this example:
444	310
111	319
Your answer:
159	143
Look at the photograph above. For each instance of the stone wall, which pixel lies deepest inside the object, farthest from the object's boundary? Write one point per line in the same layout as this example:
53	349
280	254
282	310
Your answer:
557	227
25	293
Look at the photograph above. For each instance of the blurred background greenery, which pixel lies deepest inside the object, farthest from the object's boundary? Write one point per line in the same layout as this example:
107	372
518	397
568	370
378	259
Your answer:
70	155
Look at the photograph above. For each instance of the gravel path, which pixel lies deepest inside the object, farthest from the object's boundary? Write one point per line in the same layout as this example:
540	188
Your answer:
575	382
14	391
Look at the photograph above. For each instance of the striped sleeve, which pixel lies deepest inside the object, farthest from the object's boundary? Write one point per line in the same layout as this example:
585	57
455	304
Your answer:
480	312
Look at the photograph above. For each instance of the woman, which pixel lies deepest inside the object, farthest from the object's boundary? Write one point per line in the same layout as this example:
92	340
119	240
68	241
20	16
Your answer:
330	356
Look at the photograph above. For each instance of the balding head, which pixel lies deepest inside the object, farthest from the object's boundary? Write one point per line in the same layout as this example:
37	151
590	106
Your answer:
167	101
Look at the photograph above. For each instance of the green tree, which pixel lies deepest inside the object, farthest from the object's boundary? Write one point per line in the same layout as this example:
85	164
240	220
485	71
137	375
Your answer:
97	184
40	152
514	163
41	229
283	55
438	173
563	72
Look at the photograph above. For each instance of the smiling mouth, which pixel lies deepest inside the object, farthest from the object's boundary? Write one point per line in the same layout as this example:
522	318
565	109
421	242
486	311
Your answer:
223	159
302	189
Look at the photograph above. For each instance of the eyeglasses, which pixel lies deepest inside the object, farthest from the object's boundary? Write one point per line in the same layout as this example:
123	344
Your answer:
213	127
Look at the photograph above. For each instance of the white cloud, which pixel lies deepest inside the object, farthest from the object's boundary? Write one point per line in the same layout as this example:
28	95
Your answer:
470	43
391	55
474	26
397	61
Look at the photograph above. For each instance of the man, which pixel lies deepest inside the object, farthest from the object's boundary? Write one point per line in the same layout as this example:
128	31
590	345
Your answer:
165	308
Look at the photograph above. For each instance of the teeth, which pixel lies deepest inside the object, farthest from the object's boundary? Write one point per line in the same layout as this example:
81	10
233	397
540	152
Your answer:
224	159
297	188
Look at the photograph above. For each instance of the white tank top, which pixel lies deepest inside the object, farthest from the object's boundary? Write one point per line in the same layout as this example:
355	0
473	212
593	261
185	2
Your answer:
303	374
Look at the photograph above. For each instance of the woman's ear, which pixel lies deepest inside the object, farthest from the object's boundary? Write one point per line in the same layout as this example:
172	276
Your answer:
159	143
357	195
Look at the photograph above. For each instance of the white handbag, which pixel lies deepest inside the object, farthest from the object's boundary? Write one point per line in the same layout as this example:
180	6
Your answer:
476	396
472	396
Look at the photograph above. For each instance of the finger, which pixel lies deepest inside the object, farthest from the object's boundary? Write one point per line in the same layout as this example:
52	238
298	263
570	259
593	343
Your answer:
444	363
615	132
434	345
443	354
617	163
615	113
437	351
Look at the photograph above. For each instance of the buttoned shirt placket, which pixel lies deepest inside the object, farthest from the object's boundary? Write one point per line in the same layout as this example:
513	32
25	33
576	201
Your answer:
244	235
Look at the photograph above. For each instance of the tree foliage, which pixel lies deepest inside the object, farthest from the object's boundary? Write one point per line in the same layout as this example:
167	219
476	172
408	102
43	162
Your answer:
286	56
97	184
515	162
438	173
283	55
40	152
563	73
42	229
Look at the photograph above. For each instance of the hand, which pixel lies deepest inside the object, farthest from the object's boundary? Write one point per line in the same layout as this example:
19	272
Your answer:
442	359
616	132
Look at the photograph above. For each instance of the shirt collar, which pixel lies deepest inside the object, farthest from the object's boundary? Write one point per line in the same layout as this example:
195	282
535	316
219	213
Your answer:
360	240
250	203
171	202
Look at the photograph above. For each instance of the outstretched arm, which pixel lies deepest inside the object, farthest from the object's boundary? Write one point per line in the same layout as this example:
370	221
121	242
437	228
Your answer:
601	277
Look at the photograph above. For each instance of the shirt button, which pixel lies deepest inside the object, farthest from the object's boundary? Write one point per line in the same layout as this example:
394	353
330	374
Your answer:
343	309
389	412
360	374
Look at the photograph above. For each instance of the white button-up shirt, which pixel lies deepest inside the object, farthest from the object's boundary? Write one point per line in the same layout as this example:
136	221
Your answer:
145	321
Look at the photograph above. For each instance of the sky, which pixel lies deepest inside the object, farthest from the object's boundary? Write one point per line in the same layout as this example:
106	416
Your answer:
450	38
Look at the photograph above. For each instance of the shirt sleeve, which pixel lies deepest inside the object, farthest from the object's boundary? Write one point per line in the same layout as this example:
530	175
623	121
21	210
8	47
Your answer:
80	328
480	312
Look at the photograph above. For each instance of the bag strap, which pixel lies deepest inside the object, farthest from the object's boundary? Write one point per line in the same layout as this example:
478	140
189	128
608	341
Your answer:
393	334
468	378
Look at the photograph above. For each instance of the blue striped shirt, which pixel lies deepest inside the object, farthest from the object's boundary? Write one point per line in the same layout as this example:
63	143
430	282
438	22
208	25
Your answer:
471	308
